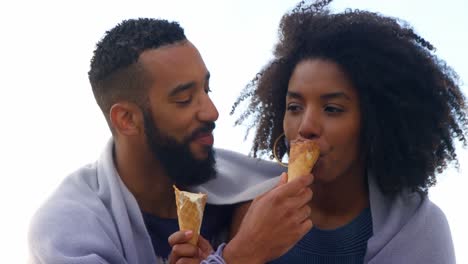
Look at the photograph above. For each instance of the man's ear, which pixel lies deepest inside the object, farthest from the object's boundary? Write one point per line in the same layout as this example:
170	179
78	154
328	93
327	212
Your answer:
126	118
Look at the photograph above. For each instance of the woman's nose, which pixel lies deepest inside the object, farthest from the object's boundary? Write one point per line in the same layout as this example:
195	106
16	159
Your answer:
310	126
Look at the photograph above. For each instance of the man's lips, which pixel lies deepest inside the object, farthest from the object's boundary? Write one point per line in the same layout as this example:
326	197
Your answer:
205	139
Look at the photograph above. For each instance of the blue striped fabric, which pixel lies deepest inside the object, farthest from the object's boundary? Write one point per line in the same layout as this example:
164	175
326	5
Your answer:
346	245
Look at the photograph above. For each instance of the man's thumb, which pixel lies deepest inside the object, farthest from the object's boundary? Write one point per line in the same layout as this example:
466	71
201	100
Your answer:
283	179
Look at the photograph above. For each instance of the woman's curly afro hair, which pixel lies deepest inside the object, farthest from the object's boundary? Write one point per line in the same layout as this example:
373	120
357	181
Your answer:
411	103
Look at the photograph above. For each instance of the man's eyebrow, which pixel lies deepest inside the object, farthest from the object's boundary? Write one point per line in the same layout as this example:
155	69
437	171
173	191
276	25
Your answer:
181	87
186	86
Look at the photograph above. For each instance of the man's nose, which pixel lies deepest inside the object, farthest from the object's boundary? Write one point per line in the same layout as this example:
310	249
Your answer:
208	111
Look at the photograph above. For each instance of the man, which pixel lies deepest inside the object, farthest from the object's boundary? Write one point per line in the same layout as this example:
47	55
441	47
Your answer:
152	86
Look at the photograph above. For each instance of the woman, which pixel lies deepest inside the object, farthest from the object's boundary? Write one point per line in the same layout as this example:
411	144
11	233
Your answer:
384	111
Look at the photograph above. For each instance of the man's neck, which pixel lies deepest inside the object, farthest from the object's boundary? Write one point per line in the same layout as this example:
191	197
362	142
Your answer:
146	180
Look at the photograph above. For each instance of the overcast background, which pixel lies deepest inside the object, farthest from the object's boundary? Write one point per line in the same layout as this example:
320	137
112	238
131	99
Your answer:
51	125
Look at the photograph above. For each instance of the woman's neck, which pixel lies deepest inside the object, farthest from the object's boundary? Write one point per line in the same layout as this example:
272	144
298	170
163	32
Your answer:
337	203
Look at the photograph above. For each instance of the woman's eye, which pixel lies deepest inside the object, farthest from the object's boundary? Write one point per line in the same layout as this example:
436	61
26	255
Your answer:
294	107
333	109
208	90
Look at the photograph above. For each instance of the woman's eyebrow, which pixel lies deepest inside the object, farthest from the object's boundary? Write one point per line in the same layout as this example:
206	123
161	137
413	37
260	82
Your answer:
335	95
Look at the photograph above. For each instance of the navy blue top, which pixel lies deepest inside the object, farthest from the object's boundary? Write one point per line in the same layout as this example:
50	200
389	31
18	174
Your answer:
216	219
344	245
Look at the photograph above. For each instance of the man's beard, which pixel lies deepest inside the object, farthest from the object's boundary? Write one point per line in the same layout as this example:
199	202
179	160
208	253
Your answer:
176	158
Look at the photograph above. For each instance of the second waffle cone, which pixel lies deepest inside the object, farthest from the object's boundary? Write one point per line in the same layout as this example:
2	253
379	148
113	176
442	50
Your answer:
190	207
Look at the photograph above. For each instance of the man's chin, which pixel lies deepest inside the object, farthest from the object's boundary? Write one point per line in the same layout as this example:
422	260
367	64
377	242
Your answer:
201	152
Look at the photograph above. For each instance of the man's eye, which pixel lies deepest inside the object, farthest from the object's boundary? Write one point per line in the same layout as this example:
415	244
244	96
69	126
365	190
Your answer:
184	101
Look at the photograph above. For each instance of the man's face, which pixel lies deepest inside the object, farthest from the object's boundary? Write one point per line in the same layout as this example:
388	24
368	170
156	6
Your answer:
181	115
176	158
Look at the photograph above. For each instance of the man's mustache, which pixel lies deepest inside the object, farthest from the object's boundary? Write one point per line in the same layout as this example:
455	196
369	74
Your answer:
206	128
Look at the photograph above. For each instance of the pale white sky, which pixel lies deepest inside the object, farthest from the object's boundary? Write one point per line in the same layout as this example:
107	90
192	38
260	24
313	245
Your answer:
51	124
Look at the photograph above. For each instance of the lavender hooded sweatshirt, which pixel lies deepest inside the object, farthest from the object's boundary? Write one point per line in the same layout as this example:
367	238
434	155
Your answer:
93	218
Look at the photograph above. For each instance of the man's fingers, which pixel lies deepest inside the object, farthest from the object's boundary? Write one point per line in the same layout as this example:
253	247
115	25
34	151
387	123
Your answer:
283	179
304	180
303	213
303	197
293	187
180	237
185	250
306	226
182	252
203	244
188	261
205	247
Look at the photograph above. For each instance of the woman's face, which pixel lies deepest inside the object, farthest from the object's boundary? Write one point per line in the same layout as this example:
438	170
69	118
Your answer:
322	105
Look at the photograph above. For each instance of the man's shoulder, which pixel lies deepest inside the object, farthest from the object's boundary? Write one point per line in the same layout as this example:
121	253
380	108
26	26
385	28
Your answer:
74	199
239	178
228	160
73	219
57	221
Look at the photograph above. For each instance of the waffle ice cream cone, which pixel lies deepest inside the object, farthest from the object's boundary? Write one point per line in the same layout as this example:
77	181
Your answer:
302	157
190	207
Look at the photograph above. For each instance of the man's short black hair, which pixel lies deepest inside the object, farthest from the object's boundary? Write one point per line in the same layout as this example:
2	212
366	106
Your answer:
115	74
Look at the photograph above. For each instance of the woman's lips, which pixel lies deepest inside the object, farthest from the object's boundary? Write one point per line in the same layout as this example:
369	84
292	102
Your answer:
318	163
